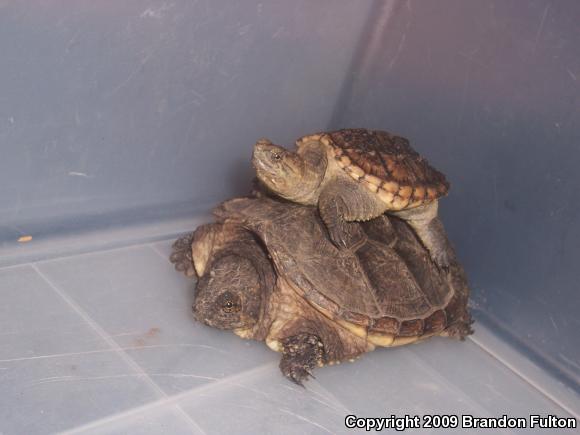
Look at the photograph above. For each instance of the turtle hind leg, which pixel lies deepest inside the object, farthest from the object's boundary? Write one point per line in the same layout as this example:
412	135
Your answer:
459	330
429	229
181	256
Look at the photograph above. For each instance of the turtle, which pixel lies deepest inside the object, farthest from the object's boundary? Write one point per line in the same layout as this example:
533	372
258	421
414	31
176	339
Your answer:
357	174
268	271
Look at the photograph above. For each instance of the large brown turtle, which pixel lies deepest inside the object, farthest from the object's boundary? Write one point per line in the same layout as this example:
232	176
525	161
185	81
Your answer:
268	271
355	175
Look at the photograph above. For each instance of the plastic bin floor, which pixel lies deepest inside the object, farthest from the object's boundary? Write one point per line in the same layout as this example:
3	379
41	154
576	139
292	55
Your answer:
104	342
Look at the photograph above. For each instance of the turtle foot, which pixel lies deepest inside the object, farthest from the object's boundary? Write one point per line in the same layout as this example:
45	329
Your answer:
181	257
347	236
302	353
441	259
459	330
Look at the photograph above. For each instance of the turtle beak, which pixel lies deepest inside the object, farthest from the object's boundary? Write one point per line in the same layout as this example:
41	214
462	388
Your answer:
262	156
260	153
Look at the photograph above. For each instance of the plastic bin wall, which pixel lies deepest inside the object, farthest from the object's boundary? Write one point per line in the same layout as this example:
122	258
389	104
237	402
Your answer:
109	107
489	91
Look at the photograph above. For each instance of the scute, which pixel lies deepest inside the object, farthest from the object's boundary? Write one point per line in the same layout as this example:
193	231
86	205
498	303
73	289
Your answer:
435	323
389	158
411	328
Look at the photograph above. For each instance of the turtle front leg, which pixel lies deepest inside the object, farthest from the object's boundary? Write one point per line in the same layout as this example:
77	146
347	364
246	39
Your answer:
301	353
340	204
429	229
345	235
181	255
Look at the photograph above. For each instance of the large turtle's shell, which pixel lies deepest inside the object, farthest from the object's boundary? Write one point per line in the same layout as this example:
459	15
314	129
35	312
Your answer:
390	287
386	164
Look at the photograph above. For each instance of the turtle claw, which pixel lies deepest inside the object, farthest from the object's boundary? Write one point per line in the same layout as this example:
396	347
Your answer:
295	371
181	257
302	353
460	330
348	236
441	261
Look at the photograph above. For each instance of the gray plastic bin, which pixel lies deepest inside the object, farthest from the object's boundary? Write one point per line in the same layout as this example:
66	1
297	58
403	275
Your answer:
121	125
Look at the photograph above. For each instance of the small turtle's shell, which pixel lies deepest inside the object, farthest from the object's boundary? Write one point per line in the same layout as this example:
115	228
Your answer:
386	165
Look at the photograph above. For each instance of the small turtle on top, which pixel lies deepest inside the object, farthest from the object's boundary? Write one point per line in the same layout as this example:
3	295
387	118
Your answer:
268	271
356	175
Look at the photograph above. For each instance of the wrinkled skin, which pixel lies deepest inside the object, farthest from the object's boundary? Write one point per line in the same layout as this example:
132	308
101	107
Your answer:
281	171
229	297
265	262
310	177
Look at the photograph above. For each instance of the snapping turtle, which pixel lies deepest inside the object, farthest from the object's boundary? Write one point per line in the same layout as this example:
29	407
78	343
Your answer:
355	175
268	271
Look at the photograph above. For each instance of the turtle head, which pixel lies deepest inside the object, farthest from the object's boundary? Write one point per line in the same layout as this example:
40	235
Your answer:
229	295
280	170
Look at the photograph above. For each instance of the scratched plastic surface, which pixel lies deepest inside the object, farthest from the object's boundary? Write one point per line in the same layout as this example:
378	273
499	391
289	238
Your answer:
104	342
121	123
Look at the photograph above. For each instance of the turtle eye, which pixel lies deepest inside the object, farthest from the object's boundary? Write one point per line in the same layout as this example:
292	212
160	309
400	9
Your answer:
228	305
276	156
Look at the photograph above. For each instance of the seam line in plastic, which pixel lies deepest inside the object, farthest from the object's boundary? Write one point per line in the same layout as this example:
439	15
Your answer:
111	342
524	378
